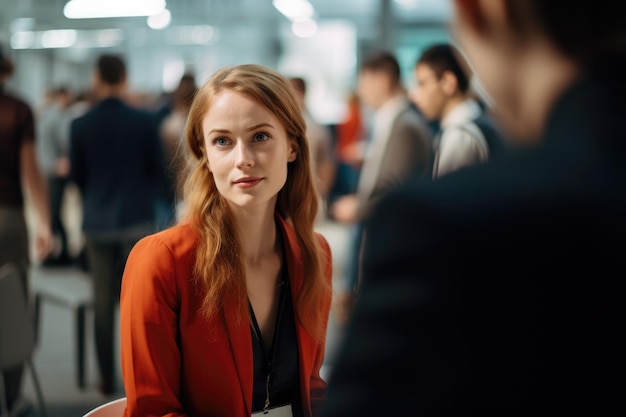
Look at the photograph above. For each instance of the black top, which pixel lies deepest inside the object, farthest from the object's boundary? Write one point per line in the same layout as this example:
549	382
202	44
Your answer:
281	362
116	159
16	128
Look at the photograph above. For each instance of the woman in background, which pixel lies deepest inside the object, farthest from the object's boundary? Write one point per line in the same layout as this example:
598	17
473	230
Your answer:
225	313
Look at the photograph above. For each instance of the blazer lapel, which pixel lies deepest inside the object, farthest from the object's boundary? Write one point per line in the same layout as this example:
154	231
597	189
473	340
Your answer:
240	340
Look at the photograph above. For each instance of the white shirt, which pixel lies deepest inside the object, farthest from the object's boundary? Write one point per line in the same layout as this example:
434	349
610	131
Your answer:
460	142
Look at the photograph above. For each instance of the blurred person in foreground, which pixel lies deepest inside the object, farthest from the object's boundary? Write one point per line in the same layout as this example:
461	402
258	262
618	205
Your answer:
19	168
225	313
116	161
494	291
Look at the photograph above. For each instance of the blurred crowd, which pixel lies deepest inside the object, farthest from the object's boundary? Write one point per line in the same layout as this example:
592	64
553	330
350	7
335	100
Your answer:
385	134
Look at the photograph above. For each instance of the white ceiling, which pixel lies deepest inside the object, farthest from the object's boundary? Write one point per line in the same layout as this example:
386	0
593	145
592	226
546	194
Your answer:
48	14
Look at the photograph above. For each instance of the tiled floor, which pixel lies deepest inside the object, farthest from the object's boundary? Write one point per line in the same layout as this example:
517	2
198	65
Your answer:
55	355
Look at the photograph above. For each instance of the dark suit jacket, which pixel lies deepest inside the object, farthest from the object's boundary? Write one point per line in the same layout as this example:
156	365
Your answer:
116	161
174	361
495	290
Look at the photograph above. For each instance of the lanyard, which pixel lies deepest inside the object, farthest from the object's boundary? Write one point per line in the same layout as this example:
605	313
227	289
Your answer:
269	358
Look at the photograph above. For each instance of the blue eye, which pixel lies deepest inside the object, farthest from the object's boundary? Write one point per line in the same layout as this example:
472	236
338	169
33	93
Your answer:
261	137
221	141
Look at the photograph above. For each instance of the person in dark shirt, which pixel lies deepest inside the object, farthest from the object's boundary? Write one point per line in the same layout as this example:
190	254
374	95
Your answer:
116	160
18	165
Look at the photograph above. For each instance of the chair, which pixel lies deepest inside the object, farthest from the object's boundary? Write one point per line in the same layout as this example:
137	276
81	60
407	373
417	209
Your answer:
113	408
72	290
17	333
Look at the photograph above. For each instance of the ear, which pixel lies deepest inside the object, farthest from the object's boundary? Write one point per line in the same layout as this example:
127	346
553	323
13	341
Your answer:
449	83
293	151
482	16
469	15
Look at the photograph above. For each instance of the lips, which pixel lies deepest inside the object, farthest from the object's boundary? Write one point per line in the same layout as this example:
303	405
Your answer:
248	181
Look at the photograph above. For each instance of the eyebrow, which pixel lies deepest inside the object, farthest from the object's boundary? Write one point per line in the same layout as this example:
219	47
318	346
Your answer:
251	128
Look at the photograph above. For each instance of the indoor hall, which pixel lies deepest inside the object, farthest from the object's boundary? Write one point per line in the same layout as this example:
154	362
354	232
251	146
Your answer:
321	41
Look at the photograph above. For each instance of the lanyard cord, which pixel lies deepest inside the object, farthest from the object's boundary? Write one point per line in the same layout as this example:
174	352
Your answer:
269	359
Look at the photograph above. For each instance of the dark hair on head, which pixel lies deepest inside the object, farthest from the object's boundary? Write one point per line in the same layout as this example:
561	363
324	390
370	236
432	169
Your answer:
444	57
298	84
61	89
384	62
581	30
111	68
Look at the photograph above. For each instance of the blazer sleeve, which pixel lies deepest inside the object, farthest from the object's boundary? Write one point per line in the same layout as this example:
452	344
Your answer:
318	385
149	305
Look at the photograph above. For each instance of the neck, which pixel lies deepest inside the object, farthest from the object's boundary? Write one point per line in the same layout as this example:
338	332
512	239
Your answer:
543	76
257	231
452	103
111	91
392	95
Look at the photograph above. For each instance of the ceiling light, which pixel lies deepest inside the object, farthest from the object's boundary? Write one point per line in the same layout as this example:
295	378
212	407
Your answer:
304	28
294	9
160	21
89	9
192	35
22	40
61	38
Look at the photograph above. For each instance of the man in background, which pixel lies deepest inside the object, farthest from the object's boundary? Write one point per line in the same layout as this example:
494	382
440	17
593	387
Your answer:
399	147
53	154
443	94
19	172
493	291
116	161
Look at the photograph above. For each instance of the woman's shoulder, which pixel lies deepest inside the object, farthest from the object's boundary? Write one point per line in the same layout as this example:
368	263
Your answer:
180	240
323	242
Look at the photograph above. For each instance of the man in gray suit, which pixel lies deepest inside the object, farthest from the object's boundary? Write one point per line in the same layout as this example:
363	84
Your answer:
399	146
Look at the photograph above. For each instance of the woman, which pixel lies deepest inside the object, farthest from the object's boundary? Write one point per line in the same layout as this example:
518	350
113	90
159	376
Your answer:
225	314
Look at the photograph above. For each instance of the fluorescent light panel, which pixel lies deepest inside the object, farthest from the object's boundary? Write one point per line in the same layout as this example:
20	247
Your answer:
89	9
160	21
66	38
294	9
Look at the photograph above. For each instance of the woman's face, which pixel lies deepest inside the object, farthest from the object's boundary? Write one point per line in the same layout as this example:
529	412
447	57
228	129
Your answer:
247	150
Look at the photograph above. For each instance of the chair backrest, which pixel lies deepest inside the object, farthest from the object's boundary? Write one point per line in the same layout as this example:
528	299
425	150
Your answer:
113	408
17	329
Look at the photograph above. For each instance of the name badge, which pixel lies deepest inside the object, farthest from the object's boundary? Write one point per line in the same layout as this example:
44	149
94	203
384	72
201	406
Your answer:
282	411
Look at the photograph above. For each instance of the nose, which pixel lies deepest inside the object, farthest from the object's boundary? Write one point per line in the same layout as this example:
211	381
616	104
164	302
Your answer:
244	155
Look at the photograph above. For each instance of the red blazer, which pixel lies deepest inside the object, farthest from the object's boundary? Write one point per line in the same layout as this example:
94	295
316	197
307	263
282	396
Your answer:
177	363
